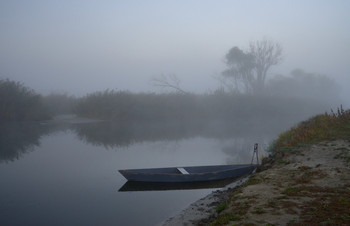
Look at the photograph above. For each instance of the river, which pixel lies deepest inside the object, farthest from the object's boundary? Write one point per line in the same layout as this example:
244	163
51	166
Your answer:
67	174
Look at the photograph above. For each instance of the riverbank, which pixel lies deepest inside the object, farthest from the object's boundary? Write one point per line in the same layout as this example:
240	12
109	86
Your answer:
310	184
204	209
306	182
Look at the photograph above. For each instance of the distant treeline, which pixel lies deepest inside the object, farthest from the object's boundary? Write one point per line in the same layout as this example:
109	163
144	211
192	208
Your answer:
19	103
232	108
289	98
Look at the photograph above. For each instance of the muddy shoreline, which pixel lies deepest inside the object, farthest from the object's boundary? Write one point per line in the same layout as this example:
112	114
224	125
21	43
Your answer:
204	209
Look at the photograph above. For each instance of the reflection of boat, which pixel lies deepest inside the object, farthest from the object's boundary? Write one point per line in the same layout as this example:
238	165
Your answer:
162	186
188	174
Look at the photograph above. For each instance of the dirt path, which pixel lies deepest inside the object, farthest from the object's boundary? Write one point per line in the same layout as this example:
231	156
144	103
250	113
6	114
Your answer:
309	185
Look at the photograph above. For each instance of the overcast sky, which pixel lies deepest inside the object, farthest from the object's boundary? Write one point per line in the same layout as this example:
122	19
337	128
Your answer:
80	46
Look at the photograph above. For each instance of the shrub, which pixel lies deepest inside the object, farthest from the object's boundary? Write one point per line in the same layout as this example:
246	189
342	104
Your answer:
19	103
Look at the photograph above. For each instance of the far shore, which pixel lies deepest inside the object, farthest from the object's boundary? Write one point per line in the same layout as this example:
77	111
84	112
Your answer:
72	119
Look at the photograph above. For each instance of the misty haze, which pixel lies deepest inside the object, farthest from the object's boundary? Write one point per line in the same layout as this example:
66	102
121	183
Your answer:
90	88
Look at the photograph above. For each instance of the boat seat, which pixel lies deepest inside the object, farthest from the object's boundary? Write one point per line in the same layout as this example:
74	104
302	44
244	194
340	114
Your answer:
182	170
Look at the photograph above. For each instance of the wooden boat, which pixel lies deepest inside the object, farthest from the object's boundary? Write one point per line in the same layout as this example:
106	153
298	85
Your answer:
188	174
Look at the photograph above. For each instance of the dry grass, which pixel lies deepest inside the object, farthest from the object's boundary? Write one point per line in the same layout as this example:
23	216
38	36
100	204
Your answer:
318	128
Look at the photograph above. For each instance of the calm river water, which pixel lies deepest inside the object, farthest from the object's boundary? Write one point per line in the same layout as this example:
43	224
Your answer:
67	174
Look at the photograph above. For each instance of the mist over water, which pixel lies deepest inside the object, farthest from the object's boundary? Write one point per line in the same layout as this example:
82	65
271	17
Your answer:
87	88
69	171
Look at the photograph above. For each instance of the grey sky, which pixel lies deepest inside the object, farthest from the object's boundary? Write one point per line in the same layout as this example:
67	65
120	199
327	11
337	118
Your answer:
82	46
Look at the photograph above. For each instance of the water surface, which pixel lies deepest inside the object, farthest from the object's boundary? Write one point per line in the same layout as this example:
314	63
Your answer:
68	174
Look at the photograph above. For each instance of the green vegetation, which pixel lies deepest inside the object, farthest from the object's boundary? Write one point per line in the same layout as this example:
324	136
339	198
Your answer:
259	210
307	175
329	205
318	128
344	154
291	191
221	207
19	103
225	219
253	179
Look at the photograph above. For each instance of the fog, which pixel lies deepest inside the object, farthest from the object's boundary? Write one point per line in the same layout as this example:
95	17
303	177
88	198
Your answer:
91	87
85	46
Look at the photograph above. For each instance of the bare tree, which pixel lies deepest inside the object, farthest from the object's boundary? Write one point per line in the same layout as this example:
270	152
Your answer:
168	81
266	53
249	69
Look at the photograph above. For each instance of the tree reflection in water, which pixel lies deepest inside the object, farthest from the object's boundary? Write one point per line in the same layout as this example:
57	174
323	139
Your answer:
19	138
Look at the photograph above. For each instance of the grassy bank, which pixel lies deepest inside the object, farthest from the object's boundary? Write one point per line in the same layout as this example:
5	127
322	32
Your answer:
307	181
328	126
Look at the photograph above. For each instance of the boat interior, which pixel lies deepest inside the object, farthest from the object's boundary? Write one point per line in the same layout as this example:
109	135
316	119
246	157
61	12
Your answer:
189	170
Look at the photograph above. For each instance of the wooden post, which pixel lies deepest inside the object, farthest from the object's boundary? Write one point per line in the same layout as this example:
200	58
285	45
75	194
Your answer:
256	149
255	153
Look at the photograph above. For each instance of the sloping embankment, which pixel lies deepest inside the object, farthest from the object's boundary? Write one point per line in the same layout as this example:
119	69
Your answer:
309	185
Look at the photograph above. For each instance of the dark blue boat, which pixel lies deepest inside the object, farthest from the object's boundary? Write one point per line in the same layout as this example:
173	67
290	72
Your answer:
188	174
165	186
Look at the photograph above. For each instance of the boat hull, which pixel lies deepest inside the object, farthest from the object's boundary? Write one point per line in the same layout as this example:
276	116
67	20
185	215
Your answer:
195	174
165	186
